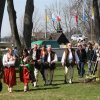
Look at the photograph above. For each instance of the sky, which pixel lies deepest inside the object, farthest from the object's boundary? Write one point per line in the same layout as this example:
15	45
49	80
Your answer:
20	8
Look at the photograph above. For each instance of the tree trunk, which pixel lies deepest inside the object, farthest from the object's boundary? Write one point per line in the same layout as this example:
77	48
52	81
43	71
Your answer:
2	6
96	20
28	25
12	19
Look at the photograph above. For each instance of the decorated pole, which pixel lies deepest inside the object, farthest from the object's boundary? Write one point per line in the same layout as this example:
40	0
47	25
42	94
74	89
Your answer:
45	23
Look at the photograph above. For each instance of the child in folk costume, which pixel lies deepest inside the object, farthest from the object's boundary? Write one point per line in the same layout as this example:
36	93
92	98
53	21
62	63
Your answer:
9	69
25	68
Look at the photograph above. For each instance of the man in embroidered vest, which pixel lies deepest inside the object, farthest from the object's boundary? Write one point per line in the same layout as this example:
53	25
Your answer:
69	59
51	60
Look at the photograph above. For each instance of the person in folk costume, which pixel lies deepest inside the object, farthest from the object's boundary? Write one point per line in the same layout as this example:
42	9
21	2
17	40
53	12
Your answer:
69	58
82	59
50	67
9	69
25	68
35	52
44	63
1	72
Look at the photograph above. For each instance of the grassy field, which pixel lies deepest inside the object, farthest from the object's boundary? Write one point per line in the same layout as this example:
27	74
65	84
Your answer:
58	91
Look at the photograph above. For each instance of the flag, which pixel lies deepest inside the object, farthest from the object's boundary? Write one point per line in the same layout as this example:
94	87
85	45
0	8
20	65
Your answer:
47	18
93	13
53	17
58	18
84	15
84	11
76	19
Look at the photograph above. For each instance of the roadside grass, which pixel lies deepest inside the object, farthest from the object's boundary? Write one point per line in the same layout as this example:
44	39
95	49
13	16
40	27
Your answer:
58	91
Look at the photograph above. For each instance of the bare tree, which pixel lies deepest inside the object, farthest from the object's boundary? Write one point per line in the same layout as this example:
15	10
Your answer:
85	26
68	15
37	23
97	20
54	9
20	26
28	25
12	19
2	6
65	10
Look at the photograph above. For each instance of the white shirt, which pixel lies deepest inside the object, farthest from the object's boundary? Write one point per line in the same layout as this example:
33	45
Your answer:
49	58
69	57
34	55
6	62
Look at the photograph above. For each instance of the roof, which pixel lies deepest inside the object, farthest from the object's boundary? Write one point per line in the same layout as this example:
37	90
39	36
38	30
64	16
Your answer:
60	38
53	43
37	42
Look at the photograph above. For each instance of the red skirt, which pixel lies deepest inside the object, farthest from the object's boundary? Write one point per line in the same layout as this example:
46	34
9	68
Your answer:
25	75
10	76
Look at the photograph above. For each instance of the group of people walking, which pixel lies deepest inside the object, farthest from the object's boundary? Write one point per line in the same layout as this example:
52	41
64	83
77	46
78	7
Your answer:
43	60
80	56
29	64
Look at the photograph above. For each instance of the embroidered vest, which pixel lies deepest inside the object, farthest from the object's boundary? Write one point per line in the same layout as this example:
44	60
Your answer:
66	58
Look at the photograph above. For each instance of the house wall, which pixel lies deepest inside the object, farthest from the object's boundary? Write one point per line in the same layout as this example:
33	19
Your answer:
59	52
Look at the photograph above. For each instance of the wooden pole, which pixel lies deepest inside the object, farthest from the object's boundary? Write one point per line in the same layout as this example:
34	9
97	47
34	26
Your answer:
45	23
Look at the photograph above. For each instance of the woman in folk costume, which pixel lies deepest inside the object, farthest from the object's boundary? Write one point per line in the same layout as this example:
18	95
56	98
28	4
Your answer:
9	69
25	68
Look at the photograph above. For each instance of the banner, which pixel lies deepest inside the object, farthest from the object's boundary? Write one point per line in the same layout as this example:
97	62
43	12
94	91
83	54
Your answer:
84	11
47	18
92	12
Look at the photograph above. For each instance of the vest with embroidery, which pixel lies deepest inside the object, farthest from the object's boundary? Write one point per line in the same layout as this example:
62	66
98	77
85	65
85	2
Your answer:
67	63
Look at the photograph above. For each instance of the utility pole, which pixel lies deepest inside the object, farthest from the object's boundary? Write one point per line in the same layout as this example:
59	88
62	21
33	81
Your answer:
45	23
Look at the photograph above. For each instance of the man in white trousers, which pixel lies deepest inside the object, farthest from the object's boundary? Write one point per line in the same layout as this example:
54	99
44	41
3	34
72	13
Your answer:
69	59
